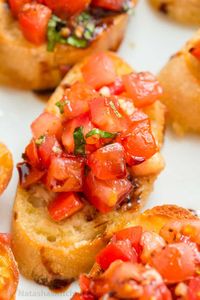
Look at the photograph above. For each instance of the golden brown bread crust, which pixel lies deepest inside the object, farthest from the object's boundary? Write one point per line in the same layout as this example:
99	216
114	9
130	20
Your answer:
52	253
184	11
180	79
6	167
23	65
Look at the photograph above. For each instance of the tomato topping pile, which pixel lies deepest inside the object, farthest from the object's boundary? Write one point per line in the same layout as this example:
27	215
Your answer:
64	21
85	152
9	276
143	265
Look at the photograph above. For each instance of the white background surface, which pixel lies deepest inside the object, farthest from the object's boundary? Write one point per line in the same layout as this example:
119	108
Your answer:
149	42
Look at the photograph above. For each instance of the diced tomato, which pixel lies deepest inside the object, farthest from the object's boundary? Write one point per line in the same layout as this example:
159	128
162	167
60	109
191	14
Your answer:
76	99
64	206
151	242
5	238
195	51
84	282
78	296
138	115
31	153
194	289
65	174
65	8
156	292
108	162
116	5
133	234
105	194
175	262
119	250
117	87
16	6
139	143
48	149
99	70
105	115
68	137
46	124
28	175
143	88
33	20
9	273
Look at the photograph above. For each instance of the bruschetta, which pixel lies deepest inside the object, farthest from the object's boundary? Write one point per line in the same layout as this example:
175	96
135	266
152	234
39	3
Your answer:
41	40
6	167
183	11
9	275
180	79
157	258
89	168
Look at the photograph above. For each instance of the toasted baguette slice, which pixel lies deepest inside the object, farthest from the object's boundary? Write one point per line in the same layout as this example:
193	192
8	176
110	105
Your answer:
153	220
180	79
9	276
183	11
6	167
55	253
26	66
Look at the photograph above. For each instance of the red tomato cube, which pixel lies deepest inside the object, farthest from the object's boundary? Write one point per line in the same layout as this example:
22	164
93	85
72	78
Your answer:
31	153
108	162
194	289
115	5
69	127
142	87
133	234
65	8
65	174
33	21
48	149
105	194
16	6
64	206
76	99
46	124
105	114
119	250
99	70
139	142
175	262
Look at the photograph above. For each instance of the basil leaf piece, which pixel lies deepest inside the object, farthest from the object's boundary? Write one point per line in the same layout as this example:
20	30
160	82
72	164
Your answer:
60	105
76	42
79	141
53	32
112	105
40	140
101	133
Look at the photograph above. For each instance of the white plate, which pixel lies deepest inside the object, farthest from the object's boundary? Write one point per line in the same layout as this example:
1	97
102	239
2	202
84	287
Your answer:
149	42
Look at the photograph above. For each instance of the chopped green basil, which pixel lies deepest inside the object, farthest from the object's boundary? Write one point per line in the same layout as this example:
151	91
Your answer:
76	42
79	141
60	105
40	140
53	32
112	105
101	133
84	16
89	31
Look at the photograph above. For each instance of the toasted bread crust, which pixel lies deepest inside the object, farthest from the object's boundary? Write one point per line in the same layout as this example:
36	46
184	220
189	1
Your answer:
180	80
23	65
6	167
184	11
69	255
